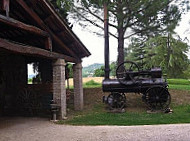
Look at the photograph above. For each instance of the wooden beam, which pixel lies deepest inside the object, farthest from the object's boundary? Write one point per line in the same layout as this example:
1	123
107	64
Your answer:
61	20
43	26
29	28
17	24
5	6
33	51
47	19
48	44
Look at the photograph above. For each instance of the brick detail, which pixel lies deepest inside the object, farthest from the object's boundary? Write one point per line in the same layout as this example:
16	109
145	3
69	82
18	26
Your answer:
59	90
78	88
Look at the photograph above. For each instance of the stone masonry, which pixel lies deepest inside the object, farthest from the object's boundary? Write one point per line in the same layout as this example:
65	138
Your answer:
59	90
78	88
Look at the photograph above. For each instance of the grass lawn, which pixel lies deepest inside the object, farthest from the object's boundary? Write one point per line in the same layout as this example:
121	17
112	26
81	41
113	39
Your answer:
179	87
181	115
94	112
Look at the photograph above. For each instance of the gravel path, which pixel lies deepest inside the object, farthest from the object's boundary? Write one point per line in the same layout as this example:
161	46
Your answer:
38	129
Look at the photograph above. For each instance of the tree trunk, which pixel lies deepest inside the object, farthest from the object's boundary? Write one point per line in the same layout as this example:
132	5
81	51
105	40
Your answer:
120	58
168	51
120	20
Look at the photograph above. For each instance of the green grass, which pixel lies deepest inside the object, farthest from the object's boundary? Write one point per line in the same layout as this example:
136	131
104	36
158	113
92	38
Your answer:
179	84
180	115
178	81
179	87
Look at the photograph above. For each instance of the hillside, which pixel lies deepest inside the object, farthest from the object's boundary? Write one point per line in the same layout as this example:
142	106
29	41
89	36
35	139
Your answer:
89	70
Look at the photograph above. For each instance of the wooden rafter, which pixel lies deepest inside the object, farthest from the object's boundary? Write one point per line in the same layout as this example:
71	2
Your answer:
43	26
17	24
46	2
29	28
33	51
5	6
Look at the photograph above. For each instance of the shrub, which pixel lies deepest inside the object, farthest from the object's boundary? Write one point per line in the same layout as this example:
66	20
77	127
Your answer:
92	82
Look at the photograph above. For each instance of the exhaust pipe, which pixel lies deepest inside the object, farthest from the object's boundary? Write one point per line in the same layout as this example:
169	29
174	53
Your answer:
106	43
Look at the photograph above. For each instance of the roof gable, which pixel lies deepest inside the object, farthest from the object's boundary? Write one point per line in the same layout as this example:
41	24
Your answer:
41	14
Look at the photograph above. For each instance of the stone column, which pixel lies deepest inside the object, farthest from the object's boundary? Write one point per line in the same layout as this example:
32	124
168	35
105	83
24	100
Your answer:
78	88
59	90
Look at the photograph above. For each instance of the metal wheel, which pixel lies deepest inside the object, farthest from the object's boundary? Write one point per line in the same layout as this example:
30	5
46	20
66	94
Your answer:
157	98
28	101
125	71
116	100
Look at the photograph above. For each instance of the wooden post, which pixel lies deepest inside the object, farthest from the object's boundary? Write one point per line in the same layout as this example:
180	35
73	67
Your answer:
48	43
5	6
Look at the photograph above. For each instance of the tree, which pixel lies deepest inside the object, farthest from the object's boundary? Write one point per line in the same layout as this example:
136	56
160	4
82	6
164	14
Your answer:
136	52
69	70
99	72
165	51
61	8
113	68
128	17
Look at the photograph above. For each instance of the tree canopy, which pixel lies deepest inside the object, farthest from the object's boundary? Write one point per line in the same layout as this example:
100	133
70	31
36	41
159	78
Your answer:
127	17
165	51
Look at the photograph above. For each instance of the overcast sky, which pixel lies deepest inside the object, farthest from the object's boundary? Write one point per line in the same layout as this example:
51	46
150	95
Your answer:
96	44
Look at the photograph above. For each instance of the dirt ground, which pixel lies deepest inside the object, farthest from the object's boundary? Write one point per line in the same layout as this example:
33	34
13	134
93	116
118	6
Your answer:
134	102
39	129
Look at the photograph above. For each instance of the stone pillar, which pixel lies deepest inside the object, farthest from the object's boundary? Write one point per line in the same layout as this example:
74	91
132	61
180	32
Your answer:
59	90
78	88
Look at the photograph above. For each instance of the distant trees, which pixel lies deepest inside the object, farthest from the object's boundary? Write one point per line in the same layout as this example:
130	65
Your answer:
100	72
165	51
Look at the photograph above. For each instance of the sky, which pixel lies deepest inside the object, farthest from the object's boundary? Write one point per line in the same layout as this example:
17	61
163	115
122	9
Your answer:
95	44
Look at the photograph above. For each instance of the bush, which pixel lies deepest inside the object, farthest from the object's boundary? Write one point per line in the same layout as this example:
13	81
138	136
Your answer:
30	80
92	82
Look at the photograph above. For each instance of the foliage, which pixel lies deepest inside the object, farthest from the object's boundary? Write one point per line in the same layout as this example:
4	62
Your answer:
69	66
91	84
99	72
30	81
165	51
186	73
127	18
113	67
89	70
136	52
62	8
